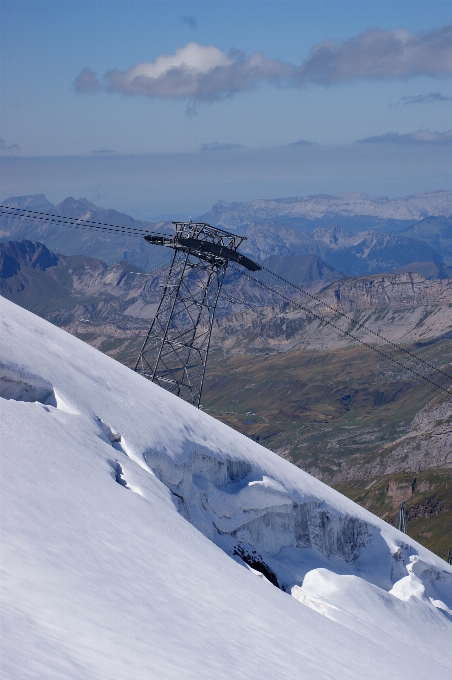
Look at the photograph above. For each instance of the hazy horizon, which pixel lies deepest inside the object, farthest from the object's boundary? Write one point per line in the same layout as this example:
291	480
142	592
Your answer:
163	108
178	186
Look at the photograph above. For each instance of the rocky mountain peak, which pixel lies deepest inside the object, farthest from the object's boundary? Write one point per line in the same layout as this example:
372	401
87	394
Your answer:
74	207
13	255
33	202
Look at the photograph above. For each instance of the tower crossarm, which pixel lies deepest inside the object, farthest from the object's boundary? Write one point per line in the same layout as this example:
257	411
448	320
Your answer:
206	242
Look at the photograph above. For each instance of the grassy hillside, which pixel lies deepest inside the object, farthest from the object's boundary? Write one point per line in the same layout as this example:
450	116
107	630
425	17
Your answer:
309	402
428	504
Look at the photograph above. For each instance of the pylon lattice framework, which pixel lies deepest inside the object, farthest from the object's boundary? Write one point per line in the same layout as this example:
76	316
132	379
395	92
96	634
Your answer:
174	354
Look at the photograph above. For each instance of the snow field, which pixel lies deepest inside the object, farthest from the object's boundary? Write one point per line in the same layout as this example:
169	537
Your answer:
122	507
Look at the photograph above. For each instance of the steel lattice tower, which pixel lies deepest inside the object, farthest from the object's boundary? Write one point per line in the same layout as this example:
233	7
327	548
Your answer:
174	354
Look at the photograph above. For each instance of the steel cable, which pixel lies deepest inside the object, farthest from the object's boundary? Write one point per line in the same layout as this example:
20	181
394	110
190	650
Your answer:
23	213
361	342
357	323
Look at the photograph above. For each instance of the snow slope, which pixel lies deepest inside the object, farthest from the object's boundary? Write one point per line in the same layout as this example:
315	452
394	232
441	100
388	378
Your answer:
104	577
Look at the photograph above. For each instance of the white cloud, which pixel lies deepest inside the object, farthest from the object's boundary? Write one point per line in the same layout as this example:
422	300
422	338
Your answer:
417	137
430	98
87	82
194	71
197	72
378	54
193	57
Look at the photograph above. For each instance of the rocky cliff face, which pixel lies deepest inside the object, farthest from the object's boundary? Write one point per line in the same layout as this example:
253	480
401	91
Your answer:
85	295
31	274
427	445
398	291
436	232
26	255
404	308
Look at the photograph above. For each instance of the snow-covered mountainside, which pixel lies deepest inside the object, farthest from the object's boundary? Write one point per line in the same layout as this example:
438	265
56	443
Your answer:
143	539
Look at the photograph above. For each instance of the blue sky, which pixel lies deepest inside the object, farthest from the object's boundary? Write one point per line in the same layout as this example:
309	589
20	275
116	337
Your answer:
82	115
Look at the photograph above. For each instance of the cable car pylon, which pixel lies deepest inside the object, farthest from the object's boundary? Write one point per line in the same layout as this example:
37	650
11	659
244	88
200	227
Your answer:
174	353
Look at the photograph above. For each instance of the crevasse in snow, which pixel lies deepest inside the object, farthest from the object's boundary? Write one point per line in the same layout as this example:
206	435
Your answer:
22	386
234	500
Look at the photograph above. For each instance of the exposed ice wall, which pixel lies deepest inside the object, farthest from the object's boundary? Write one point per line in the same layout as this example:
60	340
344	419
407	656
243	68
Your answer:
20	385
255	517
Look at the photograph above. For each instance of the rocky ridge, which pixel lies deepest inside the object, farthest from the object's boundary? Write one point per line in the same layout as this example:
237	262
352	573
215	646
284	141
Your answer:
92	243
346	230
324	207
76	292
404	308
354	253
427	445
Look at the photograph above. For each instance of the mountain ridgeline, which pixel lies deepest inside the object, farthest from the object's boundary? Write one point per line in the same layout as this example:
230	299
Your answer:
351	233
73	289
78	241
352	211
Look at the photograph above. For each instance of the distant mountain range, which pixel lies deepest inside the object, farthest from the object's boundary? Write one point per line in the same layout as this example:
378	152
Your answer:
353	211
71	241
87	296
316	226
355	254
436	232
76	287
60	287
